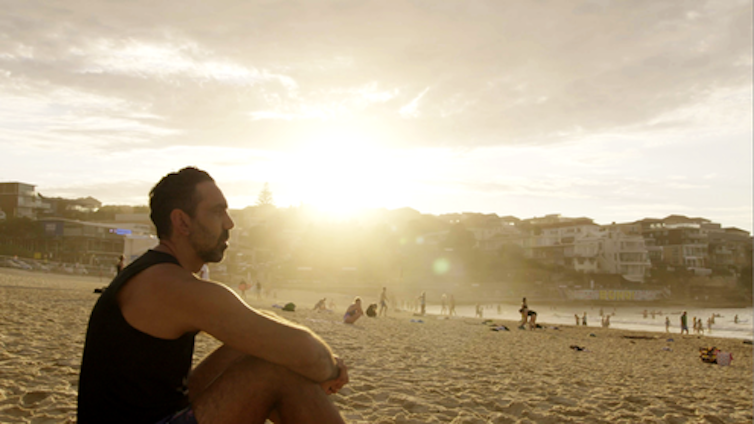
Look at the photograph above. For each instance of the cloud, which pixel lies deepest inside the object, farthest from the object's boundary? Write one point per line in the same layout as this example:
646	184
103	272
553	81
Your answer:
501	73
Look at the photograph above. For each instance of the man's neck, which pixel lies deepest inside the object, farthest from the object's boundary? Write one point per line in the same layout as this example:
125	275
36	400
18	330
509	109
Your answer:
186	257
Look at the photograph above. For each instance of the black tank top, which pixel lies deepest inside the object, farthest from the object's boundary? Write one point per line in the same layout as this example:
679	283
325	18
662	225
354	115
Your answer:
128	376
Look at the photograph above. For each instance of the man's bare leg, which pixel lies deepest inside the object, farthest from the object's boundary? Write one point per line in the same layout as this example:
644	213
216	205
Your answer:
230	388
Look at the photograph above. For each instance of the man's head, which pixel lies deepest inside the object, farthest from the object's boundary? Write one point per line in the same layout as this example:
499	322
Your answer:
188	201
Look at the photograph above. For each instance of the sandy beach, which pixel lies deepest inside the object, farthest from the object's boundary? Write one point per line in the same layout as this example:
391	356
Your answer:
409	369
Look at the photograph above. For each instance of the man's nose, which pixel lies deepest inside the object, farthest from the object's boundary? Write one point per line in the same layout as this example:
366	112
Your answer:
228	224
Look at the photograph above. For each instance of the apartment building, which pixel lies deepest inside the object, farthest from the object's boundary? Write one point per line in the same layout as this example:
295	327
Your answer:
552	239
19	200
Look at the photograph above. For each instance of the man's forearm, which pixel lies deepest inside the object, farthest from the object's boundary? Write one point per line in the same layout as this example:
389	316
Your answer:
312	357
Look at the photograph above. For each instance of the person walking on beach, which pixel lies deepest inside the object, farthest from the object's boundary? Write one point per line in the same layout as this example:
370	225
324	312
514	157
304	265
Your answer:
136	366
258	287
684	323
383	302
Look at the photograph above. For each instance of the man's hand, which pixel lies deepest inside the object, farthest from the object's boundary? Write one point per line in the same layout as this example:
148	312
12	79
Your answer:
333	386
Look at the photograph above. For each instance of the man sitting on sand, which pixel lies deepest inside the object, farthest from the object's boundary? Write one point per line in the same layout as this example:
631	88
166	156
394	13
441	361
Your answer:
353	312
136	366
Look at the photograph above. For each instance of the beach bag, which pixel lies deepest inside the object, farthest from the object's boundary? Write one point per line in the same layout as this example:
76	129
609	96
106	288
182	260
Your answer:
290	306
708	354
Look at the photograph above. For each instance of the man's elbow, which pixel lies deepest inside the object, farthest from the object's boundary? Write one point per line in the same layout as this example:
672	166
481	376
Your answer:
317	361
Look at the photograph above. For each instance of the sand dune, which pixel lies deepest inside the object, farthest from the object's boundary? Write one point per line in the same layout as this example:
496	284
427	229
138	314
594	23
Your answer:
406	371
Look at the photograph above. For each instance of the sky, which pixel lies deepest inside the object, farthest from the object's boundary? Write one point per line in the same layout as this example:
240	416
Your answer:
612	110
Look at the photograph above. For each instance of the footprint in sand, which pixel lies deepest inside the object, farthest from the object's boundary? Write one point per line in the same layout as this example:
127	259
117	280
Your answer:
33	398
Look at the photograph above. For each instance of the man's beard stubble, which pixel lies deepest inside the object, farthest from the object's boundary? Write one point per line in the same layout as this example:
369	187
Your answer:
213	253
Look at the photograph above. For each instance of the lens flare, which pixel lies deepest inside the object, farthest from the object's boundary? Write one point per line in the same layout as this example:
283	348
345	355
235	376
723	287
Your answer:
441	266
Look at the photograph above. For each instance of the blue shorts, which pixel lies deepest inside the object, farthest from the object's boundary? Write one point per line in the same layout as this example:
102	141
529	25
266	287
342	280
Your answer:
184	416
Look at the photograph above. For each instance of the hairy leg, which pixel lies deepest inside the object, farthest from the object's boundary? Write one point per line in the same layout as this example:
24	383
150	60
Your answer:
250	390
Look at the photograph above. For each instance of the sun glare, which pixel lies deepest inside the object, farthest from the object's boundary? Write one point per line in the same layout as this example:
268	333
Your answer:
340	172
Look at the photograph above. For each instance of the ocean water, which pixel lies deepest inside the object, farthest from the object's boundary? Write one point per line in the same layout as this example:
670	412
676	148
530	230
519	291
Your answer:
627	318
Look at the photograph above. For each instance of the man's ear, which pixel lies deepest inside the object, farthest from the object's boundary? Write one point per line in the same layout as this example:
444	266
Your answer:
181	222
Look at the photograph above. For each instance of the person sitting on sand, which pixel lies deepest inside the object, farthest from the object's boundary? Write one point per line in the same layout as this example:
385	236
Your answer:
353	312
138	351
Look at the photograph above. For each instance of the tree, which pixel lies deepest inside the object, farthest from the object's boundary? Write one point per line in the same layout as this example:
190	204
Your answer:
265	196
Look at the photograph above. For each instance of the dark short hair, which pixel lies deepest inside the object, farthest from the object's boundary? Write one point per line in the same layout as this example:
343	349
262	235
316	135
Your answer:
176	190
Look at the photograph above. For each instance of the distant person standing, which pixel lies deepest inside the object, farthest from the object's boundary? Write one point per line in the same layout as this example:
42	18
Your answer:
684	323
242	287
443	304
121	264
259	289
204	272
383	302
578	321
524	311
423	303
583	319
452	306
667	324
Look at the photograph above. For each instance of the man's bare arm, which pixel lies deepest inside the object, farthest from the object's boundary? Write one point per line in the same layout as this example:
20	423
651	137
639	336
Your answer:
216	310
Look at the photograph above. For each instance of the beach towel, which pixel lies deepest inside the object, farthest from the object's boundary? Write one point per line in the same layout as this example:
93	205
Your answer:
724	358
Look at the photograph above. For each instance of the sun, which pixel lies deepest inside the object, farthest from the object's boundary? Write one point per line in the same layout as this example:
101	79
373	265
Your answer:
340	172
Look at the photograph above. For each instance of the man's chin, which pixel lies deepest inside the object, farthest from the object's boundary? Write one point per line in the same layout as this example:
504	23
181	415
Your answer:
214	256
